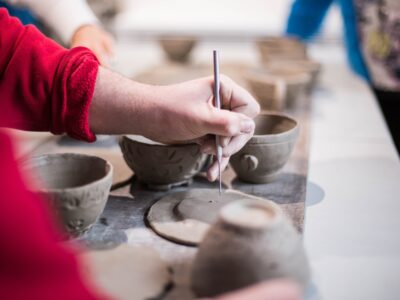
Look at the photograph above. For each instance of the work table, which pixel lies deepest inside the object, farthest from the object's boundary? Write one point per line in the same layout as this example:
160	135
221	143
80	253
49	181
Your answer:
352	222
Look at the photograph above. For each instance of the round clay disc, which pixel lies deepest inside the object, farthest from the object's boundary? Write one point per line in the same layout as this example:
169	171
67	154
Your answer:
127	272
184	217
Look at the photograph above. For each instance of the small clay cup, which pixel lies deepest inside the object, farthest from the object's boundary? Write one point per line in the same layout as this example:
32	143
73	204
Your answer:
251	241
277	89
161	166
281	48
307	66
265	154
77	186
269	91
177	49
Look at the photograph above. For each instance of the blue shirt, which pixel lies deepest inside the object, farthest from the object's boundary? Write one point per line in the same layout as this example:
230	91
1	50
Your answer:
305	20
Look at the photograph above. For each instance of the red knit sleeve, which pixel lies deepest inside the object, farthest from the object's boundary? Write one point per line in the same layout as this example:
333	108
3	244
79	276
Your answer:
43	86
33	263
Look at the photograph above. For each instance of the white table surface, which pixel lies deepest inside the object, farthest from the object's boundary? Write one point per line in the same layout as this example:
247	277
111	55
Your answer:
352	226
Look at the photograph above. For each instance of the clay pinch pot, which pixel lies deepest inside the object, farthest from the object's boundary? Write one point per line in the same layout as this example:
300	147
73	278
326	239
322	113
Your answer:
76	185
160	166
269	91
251	241
177	48
277	89
281	48
266	153
308	66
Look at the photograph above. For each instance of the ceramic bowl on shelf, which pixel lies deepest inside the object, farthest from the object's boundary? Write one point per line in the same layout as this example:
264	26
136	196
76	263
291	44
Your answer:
76	185
177	48
251	241
161	166
267	152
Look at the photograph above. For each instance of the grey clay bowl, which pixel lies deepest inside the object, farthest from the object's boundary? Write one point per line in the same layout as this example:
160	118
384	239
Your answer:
160	166
265	154
77	186
281	48
177	49
278	88
252	241
308	66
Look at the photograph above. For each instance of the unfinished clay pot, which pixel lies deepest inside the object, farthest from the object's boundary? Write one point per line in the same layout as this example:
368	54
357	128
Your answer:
281	48
307	66
77	186
270	92
177	49
265	154
276	89
251	241
160	166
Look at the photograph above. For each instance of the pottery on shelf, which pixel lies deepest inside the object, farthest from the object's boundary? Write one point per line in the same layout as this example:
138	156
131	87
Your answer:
161	166
252	241
177	49
276	89
266	153
76	185
281	48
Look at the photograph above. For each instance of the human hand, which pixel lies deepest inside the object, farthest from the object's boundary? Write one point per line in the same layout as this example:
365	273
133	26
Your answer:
97	40
278	289
190	115
176	113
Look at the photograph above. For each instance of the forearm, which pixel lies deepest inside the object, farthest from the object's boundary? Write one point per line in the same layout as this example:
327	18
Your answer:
122	106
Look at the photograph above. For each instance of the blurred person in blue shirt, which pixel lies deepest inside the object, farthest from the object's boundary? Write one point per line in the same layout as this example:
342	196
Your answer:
372	38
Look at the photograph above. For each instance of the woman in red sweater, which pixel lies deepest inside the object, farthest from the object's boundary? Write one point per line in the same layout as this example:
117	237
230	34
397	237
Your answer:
44	87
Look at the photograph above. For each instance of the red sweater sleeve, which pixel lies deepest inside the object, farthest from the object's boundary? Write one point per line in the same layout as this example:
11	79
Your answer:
33	264
44	87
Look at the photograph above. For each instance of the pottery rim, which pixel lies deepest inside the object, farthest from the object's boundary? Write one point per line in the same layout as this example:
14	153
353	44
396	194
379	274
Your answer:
32	166
273	214
145	141
268	75
275	138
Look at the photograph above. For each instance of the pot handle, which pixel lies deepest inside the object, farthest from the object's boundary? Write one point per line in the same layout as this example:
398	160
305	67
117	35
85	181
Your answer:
249	162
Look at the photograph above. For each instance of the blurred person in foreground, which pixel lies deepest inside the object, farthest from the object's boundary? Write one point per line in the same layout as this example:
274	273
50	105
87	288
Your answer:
44	87
72	21
372	36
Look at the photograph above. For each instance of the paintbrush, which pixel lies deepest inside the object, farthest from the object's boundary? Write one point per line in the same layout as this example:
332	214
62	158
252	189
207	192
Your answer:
217	105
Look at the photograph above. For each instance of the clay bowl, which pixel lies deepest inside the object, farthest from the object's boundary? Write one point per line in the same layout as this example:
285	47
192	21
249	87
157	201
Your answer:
160	166
177	49
269	91
76	185
281	48
251	241
277	89
307	66
265	154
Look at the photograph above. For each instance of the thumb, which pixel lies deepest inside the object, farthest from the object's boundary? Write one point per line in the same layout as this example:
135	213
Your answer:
228	123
